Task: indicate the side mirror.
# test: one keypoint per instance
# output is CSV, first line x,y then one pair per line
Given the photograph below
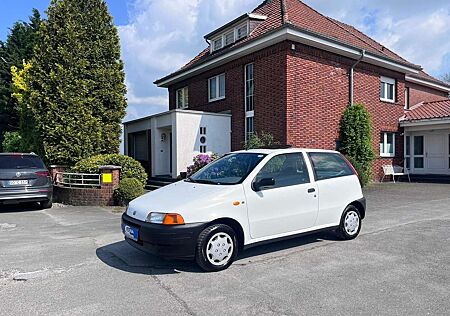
x,y
264,182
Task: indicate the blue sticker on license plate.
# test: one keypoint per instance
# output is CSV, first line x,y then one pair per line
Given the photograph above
x,y
130,232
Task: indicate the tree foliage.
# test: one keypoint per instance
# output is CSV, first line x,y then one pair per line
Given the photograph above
x,y
356,134
77,89
446,78
12,142
17,48
260,141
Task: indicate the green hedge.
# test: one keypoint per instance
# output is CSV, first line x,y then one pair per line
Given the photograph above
x,y
128,190
130,167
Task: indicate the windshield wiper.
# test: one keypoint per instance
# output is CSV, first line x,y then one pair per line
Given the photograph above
x,y
201,181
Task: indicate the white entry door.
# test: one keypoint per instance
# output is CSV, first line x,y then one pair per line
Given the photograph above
x,y
435,153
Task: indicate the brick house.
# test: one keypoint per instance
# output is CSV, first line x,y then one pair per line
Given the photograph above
x,y
286,69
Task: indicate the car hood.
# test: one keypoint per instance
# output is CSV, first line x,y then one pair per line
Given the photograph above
x,y
185,198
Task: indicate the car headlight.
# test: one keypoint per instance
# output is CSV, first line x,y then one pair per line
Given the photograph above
x,y
165,218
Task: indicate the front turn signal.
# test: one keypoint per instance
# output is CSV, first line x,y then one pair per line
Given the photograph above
x,y
173,219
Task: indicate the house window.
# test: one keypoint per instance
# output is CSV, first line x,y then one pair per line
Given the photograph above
x,y
387,90
387,144
217,43
249,101
419,157
241,31
407,105
216,88
407,152
183,98
202,149
448,151
229,38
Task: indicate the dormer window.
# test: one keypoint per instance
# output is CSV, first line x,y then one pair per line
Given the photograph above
x,y
242,31
230,36
217,44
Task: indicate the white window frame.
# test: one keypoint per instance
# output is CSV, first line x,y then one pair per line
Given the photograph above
x,y
222,37
249,113
185,104
217,79
385,137
388,81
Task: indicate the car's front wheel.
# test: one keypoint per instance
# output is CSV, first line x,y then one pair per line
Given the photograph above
x,y
350,225
216,248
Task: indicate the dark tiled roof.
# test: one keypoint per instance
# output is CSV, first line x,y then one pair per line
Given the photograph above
x,y
424,76
428,110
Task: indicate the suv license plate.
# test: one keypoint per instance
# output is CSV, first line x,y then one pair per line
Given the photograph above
x,y
18,182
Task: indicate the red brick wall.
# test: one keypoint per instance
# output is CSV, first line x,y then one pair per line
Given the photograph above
x,y
270,93
318,93
83,196
300,97
419,94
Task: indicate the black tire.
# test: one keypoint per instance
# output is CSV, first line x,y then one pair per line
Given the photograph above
x,y
45,204
342,232
201,255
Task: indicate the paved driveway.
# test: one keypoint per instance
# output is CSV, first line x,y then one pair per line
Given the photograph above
x,y
70,261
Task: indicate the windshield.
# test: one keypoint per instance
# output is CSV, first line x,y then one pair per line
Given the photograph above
x,y
21,162
230,169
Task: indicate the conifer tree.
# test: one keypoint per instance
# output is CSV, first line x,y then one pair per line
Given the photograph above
x,y
77,89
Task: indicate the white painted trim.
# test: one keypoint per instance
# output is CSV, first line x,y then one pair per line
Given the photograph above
x,y
436,121
289,33
217,79
256,16
427,83
388,155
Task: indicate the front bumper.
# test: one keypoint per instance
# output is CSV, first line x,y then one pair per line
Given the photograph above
x,y
178,241
24,195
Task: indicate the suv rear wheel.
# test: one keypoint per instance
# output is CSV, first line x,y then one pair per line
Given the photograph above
x,y
217,248
45,204
350,225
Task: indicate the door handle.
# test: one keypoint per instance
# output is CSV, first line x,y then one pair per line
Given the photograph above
x,y
312,190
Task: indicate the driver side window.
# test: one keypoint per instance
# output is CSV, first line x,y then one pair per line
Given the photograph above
x,y
286,170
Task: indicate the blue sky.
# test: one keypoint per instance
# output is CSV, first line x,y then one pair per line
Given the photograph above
x,y
159,36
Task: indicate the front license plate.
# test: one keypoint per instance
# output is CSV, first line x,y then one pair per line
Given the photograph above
x,y
18,182
130,232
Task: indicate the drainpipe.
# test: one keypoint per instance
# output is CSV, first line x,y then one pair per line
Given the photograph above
x,y
363,53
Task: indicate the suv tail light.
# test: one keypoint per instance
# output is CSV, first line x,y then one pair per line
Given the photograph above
x,y
42,173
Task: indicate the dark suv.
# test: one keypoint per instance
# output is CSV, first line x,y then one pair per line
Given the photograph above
x,y
24,178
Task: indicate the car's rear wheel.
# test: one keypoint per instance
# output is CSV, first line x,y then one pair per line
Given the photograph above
x,y
350,225
217,248
45,204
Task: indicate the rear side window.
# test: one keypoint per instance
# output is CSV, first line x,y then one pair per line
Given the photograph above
x,y
329,165
21,162
286,170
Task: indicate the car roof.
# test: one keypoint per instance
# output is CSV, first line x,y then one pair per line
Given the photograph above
x,y
283,151
18,154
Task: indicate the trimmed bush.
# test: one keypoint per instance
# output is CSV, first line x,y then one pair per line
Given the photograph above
x,y
128,190
356,133
199,162
130,167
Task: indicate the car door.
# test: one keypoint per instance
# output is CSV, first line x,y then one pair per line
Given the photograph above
x,y
288,205
337,186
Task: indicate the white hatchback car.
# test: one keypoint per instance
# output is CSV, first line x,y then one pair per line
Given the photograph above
x,y
246,198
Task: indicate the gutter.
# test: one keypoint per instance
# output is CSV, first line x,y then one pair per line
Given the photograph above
x,y
352,70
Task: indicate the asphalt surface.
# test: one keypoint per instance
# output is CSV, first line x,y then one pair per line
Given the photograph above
x,y
73,261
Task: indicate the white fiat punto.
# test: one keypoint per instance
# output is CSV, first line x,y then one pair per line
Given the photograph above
x,y
246,198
